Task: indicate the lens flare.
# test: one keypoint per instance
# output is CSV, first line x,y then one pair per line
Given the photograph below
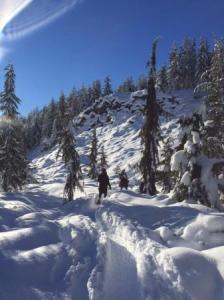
x,y
35,14
21,17
9,9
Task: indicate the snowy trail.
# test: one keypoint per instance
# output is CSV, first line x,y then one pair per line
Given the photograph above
x,y
80,251
119,264
131,268
132,247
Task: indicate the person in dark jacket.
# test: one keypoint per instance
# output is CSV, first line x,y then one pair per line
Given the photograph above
x,y
123,180
104,182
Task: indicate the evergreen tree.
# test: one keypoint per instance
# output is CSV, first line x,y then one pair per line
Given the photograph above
x,y
162,80
203,59
150,131
117,170
128,86
166,175
188,165
61,119
72,162
142,82
206,186
173,72
32,130
73,104
107,86
49,131
52,112
62,109
187,63
13,164
93,156
8,100
214,127
90,97
103,159
84,97
96,88
45,130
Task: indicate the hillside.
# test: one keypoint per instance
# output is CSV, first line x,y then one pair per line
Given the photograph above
x,y
132,246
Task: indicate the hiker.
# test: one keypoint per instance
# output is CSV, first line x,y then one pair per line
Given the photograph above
x,y
123,180
142,189
104,182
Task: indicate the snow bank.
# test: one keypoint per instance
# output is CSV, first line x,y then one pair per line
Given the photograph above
x,y
160,273
142,246
206,231
197,274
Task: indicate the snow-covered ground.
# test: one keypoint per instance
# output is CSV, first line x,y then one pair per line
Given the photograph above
x,y
131,247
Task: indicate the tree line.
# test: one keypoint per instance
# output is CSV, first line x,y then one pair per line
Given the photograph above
x,y
183,172
194,169
184,69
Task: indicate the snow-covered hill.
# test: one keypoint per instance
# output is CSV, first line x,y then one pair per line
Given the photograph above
x,y
119,119
131,247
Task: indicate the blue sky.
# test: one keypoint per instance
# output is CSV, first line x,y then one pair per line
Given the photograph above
x,y
104,37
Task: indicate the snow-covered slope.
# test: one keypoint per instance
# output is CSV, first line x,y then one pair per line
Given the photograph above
x,y
132,247
119,119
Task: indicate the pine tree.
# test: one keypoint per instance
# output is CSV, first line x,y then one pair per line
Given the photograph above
x,y
188,165
45,123
166,175
8,100
203,59
128,86
142,82
214,128
62,110
13,163
162,80
150,131
107,90
90,99
72,162
187,64
210,185
83,97
52,111
93,156
103,159
49,131
61,120
14,166
73,104
117,170
32,130
173,72
96,88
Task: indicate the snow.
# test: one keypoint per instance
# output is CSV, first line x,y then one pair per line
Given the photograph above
x,y
186,178
131,247
195,137
209,180
179,160
189,147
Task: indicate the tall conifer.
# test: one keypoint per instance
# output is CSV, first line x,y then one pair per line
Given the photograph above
x,y
150,131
